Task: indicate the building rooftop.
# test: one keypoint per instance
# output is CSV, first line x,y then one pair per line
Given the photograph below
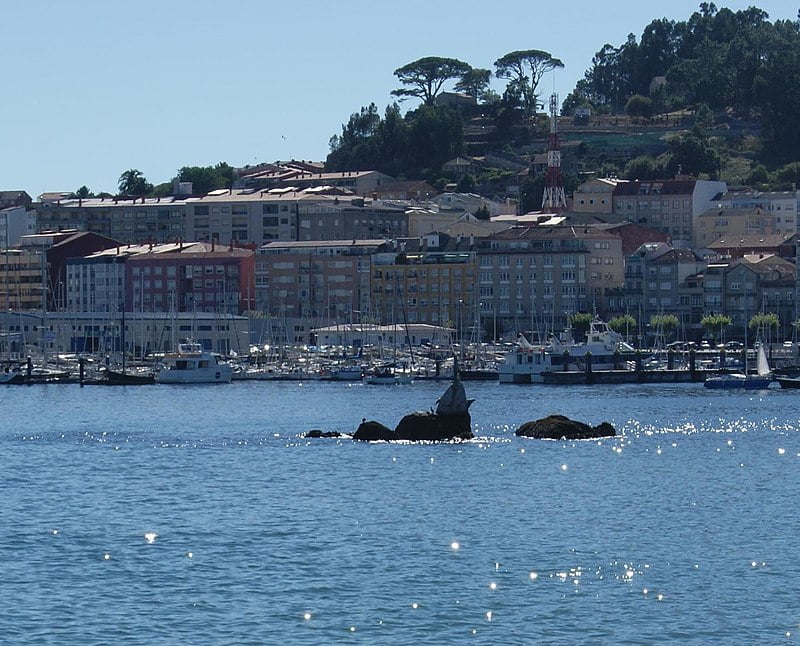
x,y
751,241
664,187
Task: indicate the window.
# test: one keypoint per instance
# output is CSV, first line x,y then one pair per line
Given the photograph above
x,y
269,208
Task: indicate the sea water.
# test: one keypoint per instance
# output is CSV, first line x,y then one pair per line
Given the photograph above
x,y
201,515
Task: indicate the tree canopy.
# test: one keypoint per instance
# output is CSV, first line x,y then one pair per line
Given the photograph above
x,y
413,146
525,69
735,61
132,183
205,179
424,77
474,81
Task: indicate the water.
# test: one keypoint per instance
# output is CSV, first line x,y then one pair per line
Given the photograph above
x,y
200,515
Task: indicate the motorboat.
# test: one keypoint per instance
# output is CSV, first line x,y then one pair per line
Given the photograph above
x,y
192,364
528,363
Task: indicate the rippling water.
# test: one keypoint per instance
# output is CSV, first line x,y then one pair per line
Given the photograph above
x,y
200,515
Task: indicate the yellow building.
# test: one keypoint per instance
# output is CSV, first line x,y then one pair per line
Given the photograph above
x,y
420,285
22,281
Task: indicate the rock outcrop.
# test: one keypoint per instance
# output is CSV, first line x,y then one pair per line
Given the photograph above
x,y
427,426
374,432
316,433
558,427
450,421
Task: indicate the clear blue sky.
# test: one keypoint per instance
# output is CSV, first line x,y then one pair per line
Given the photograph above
x,y
94,87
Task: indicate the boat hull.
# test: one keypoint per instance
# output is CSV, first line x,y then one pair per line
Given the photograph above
x,y
746,383
218,375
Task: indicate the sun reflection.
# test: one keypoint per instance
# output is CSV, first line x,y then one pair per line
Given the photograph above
x,y
150,537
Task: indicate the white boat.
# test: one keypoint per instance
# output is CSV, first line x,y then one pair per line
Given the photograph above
x,y
191,364
528,363
758,381
11,375
256,373
345,373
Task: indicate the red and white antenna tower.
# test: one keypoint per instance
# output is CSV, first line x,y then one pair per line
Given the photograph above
x,y
554,199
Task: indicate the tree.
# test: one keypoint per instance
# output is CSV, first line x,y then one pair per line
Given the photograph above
x,y
132,183
758,176
435,135
643,167
714,325
625,324
466,184
425,77
693,154
474,82
525,70
639,106
205,179
580,322
482,212
530,194
788,177
764,324
83,192
666,323
355,148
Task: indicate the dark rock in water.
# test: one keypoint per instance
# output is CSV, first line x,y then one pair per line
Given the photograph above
x,y
433,427
373,432
316,433
558,427
450,421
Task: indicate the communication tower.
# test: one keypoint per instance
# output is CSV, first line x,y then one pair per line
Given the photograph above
x,y
554,199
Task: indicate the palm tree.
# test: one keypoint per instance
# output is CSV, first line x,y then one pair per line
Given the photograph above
x,y
133,183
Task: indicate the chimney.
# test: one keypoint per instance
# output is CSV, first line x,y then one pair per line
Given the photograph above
x,y
212,245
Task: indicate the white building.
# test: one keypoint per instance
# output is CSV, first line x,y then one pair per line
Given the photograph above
x,y
782,204
15,222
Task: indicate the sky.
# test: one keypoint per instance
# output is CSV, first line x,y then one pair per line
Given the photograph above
x,y
96,87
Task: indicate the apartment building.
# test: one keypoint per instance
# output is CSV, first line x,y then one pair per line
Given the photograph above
x,y
15,222
595,195
129,220
658,280
734,222
429,280
199,277
23,273
743,287
304,284
671,206
289,214
303,176
535,278
782,204
783,245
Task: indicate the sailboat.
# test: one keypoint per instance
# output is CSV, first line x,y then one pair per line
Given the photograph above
x,y
758,381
